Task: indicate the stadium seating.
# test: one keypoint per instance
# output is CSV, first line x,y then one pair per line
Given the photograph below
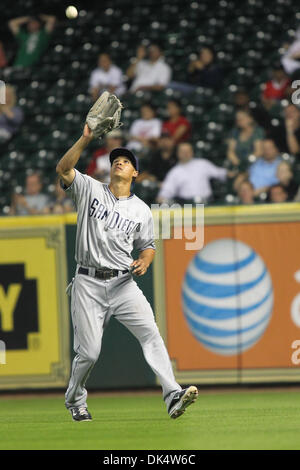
x,y
246,36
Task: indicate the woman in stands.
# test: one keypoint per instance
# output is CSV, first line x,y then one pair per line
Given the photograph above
x,y
244,143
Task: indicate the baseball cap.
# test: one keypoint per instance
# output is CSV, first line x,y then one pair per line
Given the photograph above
x,y
123,152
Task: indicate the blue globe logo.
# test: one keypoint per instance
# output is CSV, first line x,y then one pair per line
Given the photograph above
x,y
227,297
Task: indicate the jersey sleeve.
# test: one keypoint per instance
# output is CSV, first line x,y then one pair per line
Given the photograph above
x,y
144,235
78,188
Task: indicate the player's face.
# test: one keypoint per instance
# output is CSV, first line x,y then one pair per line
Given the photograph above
x,y
123,169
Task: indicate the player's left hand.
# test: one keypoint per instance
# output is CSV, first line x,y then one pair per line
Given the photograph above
x,y
139,267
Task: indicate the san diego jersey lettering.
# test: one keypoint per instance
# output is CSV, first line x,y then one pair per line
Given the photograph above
x,y
108,228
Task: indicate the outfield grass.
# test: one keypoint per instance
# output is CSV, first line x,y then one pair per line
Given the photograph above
x,y
237,420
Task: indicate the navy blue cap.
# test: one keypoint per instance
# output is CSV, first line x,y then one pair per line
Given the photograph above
x,y
123,152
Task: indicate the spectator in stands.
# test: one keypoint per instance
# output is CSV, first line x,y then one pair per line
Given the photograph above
x,y
277,193
291,58
204,71
292,129
277,88
189,179
3,60
260,115
161,160
244,140
106,76
11,115
145,131
99,167
286,179
245,191
287,134
263,173
177,125
60,203
33,42
149,70
33,202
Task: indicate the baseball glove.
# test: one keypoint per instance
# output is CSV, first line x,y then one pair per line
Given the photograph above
x,y
104,115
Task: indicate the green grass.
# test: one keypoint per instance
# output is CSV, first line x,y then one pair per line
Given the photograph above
x,y
237,420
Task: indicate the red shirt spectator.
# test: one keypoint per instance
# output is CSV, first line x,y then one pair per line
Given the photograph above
x,y
276,91
177,125
91,169
277,88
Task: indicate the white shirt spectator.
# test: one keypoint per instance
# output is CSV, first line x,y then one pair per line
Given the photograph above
x,y
103,165
191,180
145,129
151,73
101,78
38,202
289,64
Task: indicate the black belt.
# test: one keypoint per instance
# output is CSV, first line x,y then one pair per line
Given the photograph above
x,y
104,273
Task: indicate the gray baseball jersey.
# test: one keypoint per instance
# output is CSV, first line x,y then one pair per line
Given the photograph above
x,y
108,228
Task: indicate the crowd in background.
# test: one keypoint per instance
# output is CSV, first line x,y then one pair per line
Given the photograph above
x,y
258,158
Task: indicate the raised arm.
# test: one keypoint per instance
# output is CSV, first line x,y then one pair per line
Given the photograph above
x,y
231,155
141,53
65,166
14,24
292,142
49,22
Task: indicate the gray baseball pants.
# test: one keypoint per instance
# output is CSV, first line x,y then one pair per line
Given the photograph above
x,y
93,302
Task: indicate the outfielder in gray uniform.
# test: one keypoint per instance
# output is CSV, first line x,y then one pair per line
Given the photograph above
x,y
111,222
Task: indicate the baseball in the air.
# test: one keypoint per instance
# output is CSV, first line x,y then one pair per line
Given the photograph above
x,y
71,12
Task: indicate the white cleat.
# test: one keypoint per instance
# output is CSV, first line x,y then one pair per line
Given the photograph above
x,y
182,400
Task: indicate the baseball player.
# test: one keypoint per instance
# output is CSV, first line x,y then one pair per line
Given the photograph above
x,y
111,222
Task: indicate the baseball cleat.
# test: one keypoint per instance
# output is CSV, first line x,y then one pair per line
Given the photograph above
x,y
80,413
182,400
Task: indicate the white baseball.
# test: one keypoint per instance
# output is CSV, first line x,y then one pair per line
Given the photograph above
x,y
71,12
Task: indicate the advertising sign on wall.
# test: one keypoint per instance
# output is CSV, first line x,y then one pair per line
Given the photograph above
x,y
230,312
34,325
